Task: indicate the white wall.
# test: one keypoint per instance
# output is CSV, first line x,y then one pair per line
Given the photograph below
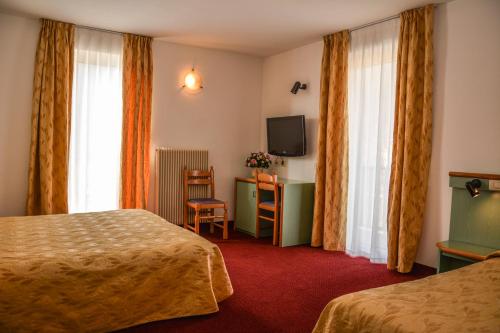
x,y
18,37
466,131
279,74
223,117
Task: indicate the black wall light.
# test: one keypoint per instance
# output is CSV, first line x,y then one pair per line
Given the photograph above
x,y
473,187
296,86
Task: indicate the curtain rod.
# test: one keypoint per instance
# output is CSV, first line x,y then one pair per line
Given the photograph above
x,y
393,17
375,22
99,29
109,31
106,30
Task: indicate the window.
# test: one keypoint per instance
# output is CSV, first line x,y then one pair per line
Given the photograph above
x,y
96,122
371,98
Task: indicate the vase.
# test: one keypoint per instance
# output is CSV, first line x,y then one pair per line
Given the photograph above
x,y
254,171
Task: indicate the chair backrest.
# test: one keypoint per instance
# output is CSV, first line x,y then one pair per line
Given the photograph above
x,y
266,182
198,177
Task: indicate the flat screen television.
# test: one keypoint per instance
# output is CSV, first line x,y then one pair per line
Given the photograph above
x,y
286,136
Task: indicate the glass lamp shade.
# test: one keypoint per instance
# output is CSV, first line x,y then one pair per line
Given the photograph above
x,y
192,80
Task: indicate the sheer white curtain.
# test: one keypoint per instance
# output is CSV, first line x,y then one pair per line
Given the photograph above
x,y
371,94
96,122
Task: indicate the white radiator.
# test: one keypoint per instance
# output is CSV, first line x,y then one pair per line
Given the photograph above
x,y
169,164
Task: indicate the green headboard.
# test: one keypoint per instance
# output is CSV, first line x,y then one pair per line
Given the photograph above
x,y
475,220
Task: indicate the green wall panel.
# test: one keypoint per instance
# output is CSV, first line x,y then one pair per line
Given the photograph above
x,y
475,220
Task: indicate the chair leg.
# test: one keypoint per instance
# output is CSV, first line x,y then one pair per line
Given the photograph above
x,y
225,231
185,217
275,229
197,221
212,220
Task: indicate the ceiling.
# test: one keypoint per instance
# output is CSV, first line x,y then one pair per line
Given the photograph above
x,y
256,27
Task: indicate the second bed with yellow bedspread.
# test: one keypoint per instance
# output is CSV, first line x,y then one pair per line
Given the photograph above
x,y
104,271
463,300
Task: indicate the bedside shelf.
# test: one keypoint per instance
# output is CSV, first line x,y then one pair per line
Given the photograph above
x,y
454,254
471,251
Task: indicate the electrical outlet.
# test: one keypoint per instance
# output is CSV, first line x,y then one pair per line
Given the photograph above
x,y
494,185
279,161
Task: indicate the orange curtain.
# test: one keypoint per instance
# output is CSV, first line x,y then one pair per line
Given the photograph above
x,y
330,205
50,123
137,94
412,138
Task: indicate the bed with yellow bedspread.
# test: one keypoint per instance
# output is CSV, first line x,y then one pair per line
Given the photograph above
x,y
463,300
98,272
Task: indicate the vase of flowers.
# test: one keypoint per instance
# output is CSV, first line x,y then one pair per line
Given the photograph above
x,y
259,161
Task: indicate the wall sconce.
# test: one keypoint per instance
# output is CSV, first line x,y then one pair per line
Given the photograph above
x,y
473,187
296,86
192,80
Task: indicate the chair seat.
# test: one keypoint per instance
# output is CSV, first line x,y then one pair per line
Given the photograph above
x,y
205,201
267,205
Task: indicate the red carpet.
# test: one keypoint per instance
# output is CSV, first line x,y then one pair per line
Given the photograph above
x,y
281,289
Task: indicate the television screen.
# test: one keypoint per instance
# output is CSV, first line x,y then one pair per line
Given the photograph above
x,y
286,136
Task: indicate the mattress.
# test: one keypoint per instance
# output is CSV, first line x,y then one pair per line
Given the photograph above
x,y
463,300
98,272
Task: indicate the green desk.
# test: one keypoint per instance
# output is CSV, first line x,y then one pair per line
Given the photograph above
x,y
296,213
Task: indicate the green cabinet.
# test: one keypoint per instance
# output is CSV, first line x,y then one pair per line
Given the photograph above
x,y
297,200
298,208
246,210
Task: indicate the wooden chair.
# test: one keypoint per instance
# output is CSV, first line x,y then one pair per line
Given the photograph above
x,y
265,182
201,205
